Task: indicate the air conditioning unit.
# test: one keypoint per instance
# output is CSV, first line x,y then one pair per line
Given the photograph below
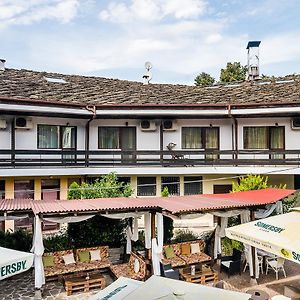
x,y
23,123
295,123
170,125
148,125
3,124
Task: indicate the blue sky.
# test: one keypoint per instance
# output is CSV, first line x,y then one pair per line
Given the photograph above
x,y
180,37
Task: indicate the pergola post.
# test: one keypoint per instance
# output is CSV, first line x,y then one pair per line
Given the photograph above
x,y
153,232
252,218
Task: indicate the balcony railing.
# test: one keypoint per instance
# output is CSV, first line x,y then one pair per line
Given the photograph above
x,y
118,158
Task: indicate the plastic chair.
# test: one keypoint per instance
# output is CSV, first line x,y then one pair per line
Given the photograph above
x,y
276,265
260,264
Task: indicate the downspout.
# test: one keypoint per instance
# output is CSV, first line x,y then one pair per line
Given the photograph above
x,y
87,132
234,136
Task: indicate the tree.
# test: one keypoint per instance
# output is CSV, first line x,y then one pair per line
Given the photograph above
x,y
233,72
98,230
251,182
204,79
168,222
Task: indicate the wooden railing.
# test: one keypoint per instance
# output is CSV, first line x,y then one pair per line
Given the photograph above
x,y
114,158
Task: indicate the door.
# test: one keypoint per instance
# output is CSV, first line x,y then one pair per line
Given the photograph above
x,y
128,143
68,143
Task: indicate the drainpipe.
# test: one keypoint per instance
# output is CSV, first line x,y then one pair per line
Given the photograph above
x,y
234,136
13,142
87,133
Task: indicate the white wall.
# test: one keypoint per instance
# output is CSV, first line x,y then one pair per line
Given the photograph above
x,y
27,138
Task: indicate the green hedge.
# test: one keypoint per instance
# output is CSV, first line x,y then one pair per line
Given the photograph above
x,y
18,240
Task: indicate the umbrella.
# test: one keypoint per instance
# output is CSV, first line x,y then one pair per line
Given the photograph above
x,y
118,289
156,288
13,262
279,234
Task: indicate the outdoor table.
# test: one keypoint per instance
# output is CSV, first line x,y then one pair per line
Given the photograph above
x,y
258,294
202,275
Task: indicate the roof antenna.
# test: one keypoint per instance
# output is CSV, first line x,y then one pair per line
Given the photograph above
x,y
2,64
253,60
148,75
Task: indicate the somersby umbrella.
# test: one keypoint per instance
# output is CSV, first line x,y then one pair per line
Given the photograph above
x,y
279,234
157,287
13,262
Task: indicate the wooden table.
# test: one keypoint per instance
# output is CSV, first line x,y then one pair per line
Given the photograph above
x,y
82,283
202,275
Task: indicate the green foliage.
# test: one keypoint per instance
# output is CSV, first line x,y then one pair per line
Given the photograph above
x,y
165,192
18,240
204,79
228,245
98,230
74,191
108,186
250,182
58,242
184,235
233,72
168,229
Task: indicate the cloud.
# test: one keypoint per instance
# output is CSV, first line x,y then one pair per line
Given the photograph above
x,y
25,12
152,10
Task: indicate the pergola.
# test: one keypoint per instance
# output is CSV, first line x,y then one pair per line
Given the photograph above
x,y
174,206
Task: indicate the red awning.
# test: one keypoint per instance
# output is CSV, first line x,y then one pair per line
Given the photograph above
x,y
173,204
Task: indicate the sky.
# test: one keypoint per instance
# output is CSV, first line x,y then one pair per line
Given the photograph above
x,y
181,38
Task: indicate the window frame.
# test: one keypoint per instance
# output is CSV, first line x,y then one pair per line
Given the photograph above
x,y
268,137
203,133
60,136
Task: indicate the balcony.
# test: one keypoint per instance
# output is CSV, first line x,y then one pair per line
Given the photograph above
x,y
117,158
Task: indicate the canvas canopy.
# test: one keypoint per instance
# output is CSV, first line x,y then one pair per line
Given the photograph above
x,y
119,289
13,262
157,287
279,234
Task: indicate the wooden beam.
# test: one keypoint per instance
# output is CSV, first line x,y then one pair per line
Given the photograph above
x,y
252,218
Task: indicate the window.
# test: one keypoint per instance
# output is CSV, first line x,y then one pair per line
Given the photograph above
x,y
56,137
146,186
2,189
264,137
200,137
24,189
172,183
192,185
50,189
109,138
222,188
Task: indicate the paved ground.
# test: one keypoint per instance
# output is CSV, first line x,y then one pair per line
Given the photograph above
x,y
21,287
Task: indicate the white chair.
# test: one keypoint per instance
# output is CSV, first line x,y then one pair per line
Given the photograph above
x,y
260,264
276,265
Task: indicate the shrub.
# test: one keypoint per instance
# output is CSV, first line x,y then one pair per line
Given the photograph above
x,y
184,235
97,231
18,240
58,242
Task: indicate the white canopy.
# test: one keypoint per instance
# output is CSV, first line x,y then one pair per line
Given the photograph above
x,y
119,289
157,287
13,262
279,234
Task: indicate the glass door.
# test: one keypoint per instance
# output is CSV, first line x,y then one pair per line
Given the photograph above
x,y
276,136
128,143
68,143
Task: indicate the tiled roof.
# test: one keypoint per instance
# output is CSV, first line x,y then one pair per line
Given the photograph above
x,y
173,204
83,90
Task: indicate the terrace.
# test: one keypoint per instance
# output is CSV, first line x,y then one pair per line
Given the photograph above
x,y
118,158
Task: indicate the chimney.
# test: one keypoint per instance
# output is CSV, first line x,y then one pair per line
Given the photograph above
x,y
253,60
2,64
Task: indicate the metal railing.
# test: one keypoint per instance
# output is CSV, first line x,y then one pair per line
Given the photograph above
x,y
114,158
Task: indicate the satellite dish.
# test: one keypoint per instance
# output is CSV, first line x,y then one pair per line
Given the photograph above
x,y
148,65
